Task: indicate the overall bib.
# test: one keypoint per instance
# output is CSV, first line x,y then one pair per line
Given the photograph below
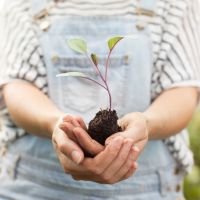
x,y
30,169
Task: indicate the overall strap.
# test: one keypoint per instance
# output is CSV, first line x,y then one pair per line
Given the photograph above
x,y
37,6
147,7
40,10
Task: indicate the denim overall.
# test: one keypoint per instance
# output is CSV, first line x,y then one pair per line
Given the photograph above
x,y
30,169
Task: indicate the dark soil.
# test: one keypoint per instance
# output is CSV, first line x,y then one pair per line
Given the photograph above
x,y
103,125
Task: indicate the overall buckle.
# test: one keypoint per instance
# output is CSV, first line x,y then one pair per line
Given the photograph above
x,y
142,11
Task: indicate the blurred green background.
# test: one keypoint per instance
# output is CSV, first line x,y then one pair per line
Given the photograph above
x,y
192,181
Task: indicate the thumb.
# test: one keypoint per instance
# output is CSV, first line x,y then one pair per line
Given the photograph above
x,y
131,132
109,139
87,143
68,147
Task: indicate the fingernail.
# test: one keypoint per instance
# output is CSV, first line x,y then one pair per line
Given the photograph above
x,y
136,165
62,127
76,157
107,142
118,139
135,148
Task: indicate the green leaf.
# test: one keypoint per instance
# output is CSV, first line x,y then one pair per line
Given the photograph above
x,y
94,59
78,45
76,74
113,41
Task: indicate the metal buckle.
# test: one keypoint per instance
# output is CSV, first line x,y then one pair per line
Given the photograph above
x,y
141,25
3,150
44,24
42,14
142,11
42,19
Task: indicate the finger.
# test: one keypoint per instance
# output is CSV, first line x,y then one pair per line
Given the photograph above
x,y
68,129
140,146
119,161
132,133
99,163
122,123
68,147
108,140
124,169
67,118
77,121
81,122
136,152
136,147
131,171
86,142
136,131
72,168
72,120
118,176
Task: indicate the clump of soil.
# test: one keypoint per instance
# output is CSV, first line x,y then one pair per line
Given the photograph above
x,y
103,125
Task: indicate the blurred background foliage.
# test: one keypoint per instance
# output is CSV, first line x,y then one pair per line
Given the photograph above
x,y
192,181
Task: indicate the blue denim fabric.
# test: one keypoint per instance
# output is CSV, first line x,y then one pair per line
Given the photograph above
x,y
31,169
129,72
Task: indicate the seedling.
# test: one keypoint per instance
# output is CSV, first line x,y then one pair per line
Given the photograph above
x,y
105,122
80,46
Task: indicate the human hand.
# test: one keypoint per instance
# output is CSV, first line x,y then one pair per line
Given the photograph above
x,y
89,146
134,126
63,135
113,164
65,144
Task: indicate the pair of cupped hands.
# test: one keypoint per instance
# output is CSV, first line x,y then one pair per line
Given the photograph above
x,y
114,162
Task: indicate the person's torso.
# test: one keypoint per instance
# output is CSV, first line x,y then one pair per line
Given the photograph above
x,y
129,78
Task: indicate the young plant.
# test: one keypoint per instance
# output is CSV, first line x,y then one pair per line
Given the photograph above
x,y
104,123
80,46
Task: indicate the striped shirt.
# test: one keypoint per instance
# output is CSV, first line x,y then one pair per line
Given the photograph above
x,y
174,33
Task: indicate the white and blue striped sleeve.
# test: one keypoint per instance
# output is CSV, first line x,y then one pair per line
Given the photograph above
x,y
21,53
178,61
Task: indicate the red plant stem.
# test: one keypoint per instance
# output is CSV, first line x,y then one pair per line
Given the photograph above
x,y
106,74
109,94
108,58
106,77
107,62
94,82
102,78
106,88
96,68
